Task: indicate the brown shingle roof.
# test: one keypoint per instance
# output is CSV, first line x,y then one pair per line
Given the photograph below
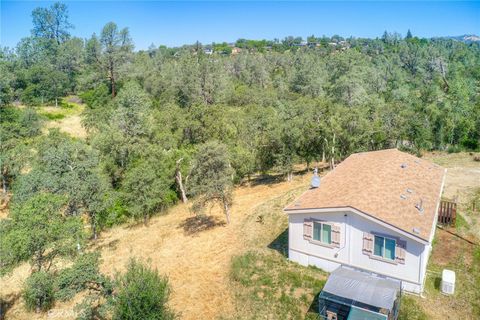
x,y
386,184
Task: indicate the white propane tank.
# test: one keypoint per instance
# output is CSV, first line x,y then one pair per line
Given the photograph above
x,y
448,281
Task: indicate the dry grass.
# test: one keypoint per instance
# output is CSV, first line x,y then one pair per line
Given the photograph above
x,y
67,119
71,125
463,178
463,173
197,264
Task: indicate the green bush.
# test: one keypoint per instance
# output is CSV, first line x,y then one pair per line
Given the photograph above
x,y
38,291
84,272
142,294
65,105
454,149
53,115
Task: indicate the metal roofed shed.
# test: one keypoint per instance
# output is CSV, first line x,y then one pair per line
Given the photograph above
x,y
356,295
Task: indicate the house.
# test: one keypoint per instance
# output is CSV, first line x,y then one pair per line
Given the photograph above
x,y
376,212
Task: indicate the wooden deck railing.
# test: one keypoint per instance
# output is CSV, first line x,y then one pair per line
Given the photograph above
x,y
447,213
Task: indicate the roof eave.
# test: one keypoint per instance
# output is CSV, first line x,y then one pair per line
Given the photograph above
x,y
361,213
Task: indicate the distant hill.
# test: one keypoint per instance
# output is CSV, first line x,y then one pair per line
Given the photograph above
x,y
467,38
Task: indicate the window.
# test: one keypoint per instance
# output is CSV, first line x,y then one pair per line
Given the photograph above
x,y
384,247
322,232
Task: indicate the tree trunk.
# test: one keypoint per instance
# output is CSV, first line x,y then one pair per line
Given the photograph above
x,y
226,209
113,86
94,227
4,184
112,79
178,180
333,153
38,306
145,220
289,176
56,102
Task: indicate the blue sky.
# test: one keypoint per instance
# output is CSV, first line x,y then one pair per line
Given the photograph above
x,y
177,23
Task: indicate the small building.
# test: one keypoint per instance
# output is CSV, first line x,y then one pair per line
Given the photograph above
x,y
355,295
375,212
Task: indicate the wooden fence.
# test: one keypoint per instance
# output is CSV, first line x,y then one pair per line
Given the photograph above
x,y
447,213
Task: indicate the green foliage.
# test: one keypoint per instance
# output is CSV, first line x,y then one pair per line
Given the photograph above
x,y
211,177
147,185
83,274
51,23
70,168
109,52
142,294
38,291
39,231
54,116
17,128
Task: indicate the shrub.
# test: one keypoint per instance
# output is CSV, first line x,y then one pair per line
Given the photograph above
x,y
53,115
142,294
38,291
78,277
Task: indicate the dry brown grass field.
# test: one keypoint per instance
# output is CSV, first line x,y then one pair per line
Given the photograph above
x,y
197,255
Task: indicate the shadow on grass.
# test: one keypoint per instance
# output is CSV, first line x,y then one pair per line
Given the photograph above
x,y
6,303
266,179
437,282
280,243
112,245
313,309
196,224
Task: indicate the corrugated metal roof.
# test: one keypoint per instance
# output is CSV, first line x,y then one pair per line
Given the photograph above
x,y
363,287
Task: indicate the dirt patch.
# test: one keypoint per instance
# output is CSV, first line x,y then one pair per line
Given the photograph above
x,y
448,246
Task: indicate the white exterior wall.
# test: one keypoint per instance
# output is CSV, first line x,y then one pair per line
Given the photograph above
x,y
412,273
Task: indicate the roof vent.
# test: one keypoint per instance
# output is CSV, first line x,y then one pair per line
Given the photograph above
x,y
419,206
315,179
409,190
416,230
403,197
403,165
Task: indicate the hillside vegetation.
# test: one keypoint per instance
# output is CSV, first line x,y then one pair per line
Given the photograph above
x,y
98,139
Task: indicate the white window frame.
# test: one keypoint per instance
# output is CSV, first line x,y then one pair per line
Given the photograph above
x,y
384,246
321,233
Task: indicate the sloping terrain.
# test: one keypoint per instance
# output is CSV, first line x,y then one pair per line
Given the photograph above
x,y
196,254
196,262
